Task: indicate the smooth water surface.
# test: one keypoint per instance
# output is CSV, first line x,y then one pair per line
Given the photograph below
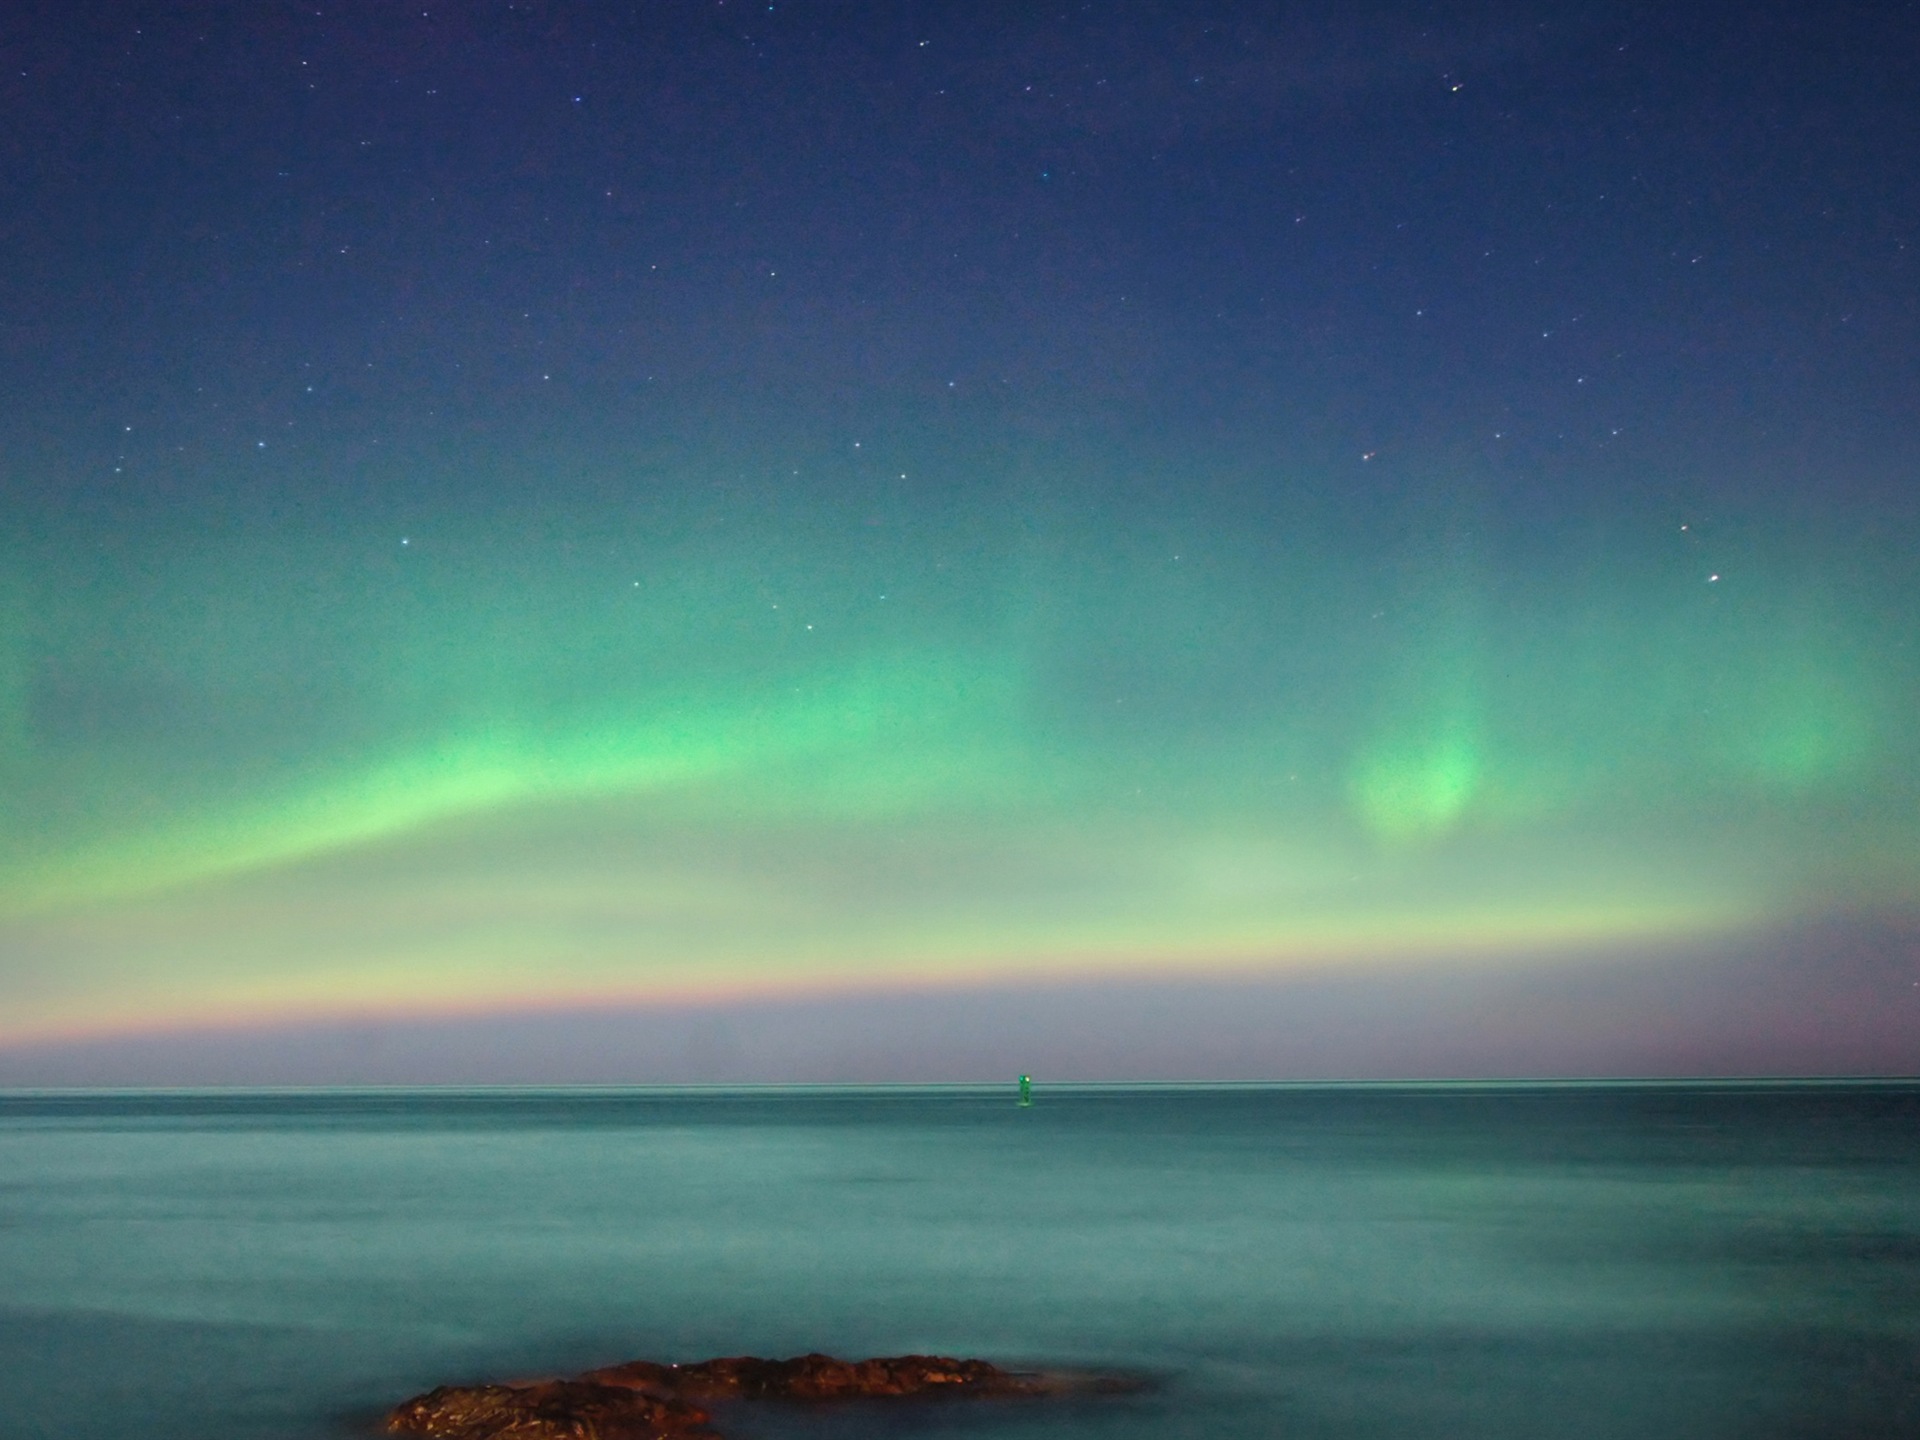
x,y
1617,1261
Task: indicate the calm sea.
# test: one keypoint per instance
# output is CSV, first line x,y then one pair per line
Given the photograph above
x,y
1581,1261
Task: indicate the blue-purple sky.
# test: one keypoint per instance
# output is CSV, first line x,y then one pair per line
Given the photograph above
x,y
848,541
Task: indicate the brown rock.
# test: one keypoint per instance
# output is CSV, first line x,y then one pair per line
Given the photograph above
x,y
642,1400
818,1377
549,1410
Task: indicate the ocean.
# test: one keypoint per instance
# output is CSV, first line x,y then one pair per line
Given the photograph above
x,y
1631,1261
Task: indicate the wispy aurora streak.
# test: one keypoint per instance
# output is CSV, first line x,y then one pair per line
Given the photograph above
x,y
257,768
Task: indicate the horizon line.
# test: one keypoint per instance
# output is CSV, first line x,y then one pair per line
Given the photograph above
x,y
977,1087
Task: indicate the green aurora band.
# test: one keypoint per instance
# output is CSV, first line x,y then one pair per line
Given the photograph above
x,y
650,736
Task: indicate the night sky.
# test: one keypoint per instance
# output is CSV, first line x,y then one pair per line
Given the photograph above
x,y
529,530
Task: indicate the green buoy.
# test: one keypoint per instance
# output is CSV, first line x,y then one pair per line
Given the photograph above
x,y
1026,1090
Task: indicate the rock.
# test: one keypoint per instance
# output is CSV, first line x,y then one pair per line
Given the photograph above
x,y
819,1377
549,1410
642,1400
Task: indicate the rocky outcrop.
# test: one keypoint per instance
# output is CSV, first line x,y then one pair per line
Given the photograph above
x,y
818,1377
642,1400
549,1410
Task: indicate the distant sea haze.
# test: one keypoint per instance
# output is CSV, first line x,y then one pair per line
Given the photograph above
x,y
1834,998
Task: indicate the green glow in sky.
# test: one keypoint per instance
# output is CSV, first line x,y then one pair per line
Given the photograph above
x,y
257,768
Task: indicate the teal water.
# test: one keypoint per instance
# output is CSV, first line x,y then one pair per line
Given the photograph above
x,y
1625,1261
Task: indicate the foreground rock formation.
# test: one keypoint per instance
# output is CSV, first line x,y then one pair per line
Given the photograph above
x,y
561,1409
645,1401
818,1377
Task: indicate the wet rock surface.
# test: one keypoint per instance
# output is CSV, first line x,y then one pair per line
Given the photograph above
x,y
642,1400
819,1377
549,1410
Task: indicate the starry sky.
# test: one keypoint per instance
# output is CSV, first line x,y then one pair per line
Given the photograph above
x,y
1332,539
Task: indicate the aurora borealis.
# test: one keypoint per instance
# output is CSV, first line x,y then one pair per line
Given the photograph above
x,y
563,509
